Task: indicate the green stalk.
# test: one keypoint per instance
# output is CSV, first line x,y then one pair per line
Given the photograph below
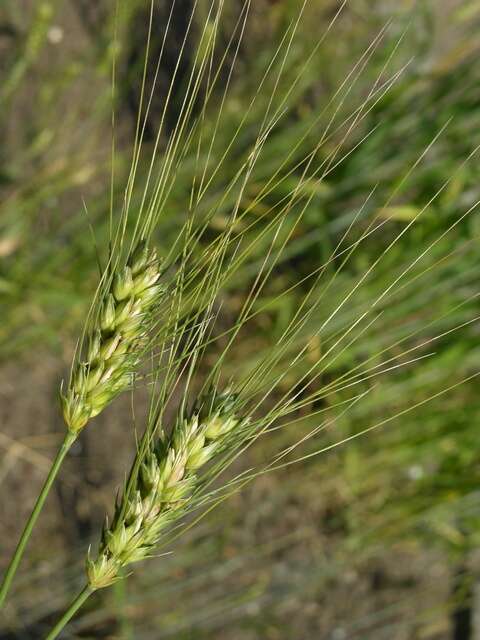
x,y
84,594
22,543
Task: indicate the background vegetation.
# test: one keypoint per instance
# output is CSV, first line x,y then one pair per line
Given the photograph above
x,y
373,539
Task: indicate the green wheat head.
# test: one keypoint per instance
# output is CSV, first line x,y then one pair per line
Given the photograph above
x,y
115,339
167,478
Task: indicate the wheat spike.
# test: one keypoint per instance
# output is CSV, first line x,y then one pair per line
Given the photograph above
x,y
164,484
113,342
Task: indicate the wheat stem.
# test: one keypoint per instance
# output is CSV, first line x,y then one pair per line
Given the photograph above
x,y
22,543
84,594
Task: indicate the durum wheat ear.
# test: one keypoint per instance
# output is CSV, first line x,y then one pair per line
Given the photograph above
x,y
113,342
163,487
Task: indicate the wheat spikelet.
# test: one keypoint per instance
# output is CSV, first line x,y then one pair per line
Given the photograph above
x,y
163,486
114,340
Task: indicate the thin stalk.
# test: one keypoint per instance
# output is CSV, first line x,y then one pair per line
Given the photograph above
x,y
84,594
22,543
